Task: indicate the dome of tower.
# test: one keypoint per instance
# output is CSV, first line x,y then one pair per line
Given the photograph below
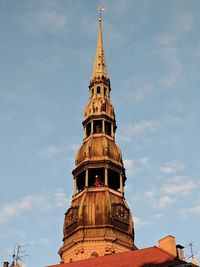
x,y
99,147
99,105
102,214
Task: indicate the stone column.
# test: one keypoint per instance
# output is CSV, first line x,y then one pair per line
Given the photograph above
x,y
112,130
86,178
121,185
85,132
75,186
106,176
103,126
92,127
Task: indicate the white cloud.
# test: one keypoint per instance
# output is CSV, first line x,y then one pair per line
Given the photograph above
x,y
139,221
174,74
164,194
149,194
60,198
192,211
44,241
145,162
137,165
170,53
173,167
47,18
74,147
49,151
10,210
136,90
164,201
178,188
42,203
128,164
143,91
141,128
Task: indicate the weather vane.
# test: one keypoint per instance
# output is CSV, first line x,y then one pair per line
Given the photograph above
x,y
100,10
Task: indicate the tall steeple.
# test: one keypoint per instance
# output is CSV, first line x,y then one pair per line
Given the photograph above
x,y
99,221
99,68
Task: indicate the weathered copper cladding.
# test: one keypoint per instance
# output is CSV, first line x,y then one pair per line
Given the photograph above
x,y
99,221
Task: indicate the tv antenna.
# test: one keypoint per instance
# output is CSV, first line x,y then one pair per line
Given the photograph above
x,y
19,254
193,251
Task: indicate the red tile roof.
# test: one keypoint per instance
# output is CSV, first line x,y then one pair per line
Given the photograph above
x,y
152,256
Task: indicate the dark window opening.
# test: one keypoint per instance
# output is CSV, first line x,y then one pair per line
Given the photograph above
x,y
96,177
113,180
92,91
105,91
80,181
97,126
88,129
108,128
98,89
103,107
94,255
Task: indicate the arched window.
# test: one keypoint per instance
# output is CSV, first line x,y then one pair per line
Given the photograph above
x,y
96,177
97,126
108,128
80,181
88,129
94,255
98,89
113,180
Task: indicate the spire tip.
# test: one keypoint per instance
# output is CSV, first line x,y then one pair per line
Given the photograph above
x,y
100,10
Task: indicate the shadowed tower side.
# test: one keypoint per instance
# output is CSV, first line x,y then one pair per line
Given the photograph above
x,y
99,221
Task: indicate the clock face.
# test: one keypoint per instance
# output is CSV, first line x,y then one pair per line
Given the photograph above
x,y
121,213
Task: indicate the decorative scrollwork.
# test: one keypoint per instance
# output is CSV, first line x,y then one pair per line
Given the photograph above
x,y
71,215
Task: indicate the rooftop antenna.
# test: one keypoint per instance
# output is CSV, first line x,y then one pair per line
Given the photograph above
x,y
18,254
100,10
193,252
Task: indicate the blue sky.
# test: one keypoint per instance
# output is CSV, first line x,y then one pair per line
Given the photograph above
x,y
152,52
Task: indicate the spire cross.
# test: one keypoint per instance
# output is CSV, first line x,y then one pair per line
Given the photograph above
x,y
100,10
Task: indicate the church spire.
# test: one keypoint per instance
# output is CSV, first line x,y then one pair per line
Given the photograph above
x,y
98,222
99,69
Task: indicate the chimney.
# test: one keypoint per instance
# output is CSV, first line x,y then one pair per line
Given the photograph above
x,y
5,264
180,252
168,244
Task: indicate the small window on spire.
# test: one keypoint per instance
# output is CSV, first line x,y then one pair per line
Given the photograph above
x,y
98,90
97,126
105,91
88,129
108,128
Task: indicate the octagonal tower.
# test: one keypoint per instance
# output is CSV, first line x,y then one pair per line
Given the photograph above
x,y
99,221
